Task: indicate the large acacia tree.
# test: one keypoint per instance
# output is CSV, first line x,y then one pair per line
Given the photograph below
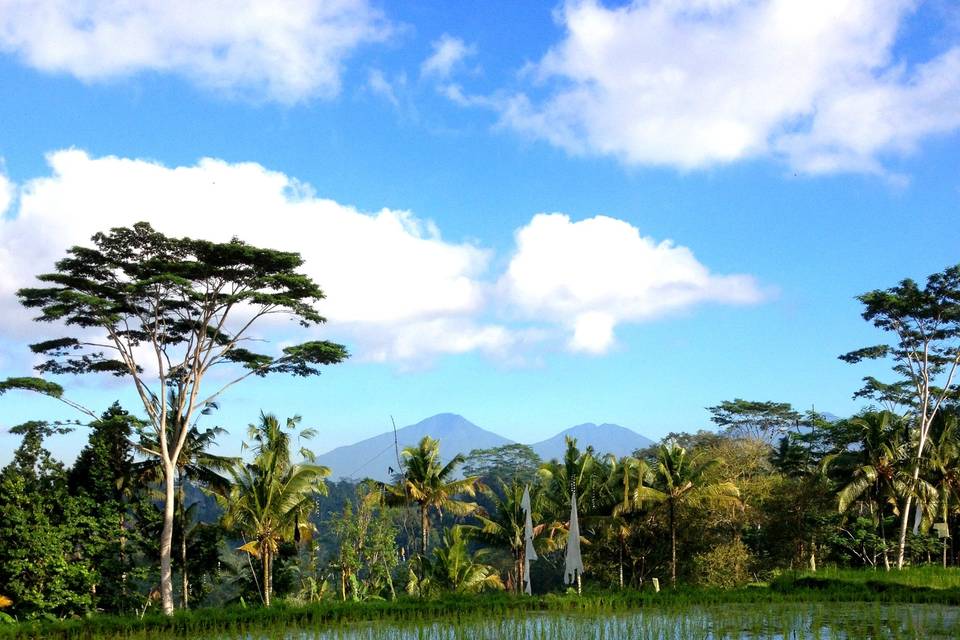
x,y
162,312
925,325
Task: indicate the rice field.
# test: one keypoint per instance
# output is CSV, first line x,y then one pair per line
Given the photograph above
x,y
773,622
819,621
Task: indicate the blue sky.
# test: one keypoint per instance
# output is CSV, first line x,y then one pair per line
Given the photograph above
x,y
794,154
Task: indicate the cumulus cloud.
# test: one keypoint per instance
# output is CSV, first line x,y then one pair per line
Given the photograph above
x,y
448,52
397,291
385,274
596,273
286,50
693,83
6,193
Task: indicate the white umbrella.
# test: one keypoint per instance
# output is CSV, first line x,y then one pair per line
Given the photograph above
x,y
529,553
574,562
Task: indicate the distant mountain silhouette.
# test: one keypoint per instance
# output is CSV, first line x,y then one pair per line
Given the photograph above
x,y
376,456
604,438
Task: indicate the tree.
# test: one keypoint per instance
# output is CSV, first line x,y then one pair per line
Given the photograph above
x,y
509,463
430,484
104,481
168,310
366,552
877,470
195,465
925,323
767,421
454,568
679,481
626,476
41,526
271,498
503,527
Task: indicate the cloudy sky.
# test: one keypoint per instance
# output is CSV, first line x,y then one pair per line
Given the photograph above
x,y
533,214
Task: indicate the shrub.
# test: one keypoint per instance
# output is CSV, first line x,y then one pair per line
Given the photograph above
x,y
726,566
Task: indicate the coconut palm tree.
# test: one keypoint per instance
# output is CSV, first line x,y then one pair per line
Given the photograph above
x,y
877,474
680,480
454,568
429,484
271,498
626,475
943,466
503,527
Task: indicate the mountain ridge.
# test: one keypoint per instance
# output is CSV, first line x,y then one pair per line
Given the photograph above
x,y
376,457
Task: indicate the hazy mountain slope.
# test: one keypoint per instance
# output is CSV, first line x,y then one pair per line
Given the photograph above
x,y
374,457
604,438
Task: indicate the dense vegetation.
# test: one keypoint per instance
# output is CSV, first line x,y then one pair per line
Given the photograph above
x,y
771,490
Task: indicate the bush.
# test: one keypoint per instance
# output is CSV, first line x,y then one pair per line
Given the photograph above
x,y
726,566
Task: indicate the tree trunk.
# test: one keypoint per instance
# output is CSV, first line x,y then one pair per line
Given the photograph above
x,y
904,523
181,498
521,578
673,547
267,577
621,565
424,528
166,538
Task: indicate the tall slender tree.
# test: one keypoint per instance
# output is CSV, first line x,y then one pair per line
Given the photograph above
x,y
925,323
162,312
197,466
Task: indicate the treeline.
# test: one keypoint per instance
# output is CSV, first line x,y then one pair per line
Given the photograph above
x,y
773,490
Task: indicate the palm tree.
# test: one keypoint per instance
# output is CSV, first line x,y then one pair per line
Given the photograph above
x,y
878,472
943,465
626,475
454,568
429,484
680,481
271,498
504,526
578,472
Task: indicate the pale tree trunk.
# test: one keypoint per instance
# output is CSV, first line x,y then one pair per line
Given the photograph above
x,y
520,574
905,516
166,538
267,578
424,528
621,564
183,544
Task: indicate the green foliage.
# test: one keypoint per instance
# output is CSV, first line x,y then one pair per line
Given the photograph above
x,y
42,528
508,463
766,421
453,567
725,566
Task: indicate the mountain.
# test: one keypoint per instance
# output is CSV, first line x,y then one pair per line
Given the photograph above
x,y
374,457
604,438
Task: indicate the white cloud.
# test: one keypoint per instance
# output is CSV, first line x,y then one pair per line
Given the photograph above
x,y
695,83
384,273
380,86
285,50
594,274
6,193
396,290
448,52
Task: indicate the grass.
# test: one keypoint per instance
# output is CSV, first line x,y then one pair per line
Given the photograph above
x,y
797,594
